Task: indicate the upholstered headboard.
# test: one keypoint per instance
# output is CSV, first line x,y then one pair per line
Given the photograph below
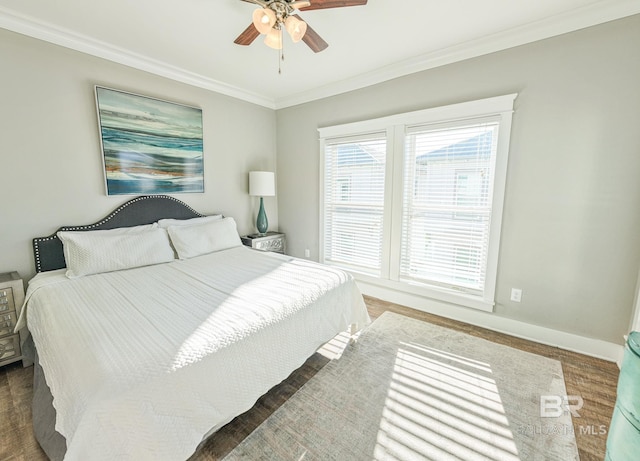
x,y
147,209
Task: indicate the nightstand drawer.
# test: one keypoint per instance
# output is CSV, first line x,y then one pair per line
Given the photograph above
x,y
271,241
276,245
7,323
9,348
11,298
6,300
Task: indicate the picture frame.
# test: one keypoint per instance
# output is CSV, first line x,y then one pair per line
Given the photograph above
x,y
149,146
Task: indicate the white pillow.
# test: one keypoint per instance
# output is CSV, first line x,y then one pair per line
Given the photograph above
x,y
121,230
93,252
191,241
165,223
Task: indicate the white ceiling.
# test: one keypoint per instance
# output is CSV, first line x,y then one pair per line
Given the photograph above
x,y
192,40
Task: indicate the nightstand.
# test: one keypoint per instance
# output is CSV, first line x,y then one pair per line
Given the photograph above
x,y
271,241
11,299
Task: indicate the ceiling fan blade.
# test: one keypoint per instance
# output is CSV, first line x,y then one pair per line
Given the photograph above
x,y
323,4
312,39
248,36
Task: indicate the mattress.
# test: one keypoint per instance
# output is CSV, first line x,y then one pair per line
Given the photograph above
x,y
143,363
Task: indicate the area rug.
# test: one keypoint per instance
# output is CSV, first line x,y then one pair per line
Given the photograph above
x,y
408,390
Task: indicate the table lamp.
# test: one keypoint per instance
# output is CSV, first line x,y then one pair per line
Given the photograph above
x,y
262,184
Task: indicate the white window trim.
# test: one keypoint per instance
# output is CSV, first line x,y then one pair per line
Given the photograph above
x,y
395,126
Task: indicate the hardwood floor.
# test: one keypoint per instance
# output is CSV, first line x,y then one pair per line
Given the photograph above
x,y
593,379
16,435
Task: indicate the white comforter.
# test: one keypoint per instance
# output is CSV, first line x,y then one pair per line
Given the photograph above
x,y
143,363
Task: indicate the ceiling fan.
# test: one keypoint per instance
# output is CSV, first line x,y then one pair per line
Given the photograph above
x,y
274,16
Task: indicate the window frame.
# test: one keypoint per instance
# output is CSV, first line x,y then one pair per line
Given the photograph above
x,y
395,127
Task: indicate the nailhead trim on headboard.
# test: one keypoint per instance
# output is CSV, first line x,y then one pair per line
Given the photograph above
x,y
39,240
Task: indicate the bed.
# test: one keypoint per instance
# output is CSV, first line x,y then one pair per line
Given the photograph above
x,y
143,361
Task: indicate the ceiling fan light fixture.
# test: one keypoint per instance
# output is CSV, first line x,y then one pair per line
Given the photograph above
x,y
274,39
299,4
296,28
264,19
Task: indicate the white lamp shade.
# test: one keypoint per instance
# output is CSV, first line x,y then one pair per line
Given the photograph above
x,y
274,39
296,28
264,19
262,183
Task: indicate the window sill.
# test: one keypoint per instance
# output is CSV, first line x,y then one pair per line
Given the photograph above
x,y
438,294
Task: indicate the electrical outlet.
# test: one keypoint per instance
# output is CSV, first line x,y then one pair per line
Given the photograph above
x,y
516,295
307,253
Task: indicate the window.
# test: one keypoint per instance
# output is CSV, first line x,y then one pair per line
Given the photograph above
x,y
344,189
447,178
414,201
354,202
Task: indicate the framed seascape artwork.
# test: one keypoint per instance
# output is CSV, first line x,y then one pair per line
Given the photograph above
x,y
149,146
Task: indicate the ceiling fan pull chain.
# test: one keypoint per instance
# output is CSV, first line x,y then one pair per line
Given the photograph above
x,y
281,57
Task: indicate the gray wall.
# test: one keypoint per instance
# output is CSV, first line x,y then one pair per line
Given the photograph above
x,y
570,235
51,170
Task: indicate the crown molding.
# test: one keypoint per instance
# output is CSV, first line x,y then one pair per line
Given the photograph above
x,y
47,32
590,15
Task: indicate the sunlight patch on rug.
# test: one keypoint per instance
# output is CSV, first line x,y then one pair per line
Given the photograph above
x,y
435,409
335,347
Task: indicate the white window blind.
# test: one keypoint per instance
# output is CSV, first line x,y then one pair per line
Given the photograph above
x,y
447,198
354,179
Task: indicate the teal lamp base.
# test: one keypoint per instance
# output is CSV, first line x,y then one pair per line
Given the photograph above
x,y
262,223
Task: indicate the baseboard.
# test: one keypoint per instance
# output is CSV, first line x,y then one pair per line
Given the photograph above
x,y
568,341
